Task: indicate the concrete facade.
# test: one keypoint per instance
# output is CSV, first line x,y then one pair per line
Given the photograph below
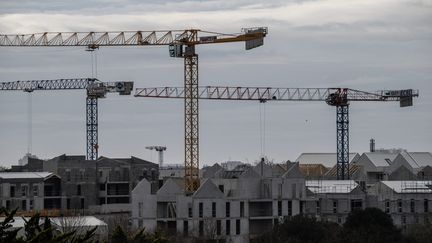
x,y
29,191
229,205
101,186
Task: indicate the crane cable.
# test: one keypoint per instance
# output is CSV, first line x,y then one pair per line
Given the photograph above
x,y
262,111
29,123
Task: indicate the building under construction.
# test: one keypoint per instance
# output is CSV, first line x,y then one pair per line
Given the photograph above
x,y
238,205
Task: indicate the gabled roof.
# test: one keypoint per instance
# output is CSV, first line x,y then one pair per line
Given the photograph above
x,y
418,159
331,186
326,159
409,186
313,170
172,186
208,190
278,170
143,185
263,169
104,161
211,171
381,159
293,172
353,168
25,175
249,173
135,160
228,174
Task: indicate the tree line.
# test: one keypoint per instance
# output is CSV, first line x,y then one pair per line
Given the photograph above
x,y
370,225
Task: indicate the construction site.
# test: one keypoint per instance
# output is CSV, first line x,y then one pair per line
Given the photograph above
x,y
231,200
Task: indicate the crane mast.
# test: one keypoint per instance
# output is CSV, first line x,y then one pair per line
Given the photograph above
x,y
95,90
181,45
338,97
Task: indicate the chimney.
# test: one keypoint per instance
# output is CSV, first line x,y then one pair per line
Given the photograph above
x,y
372,145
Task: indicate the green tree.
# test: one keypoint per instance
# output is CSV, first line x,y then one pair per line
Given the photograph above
x,y
302,229
421,233
119,236
370,226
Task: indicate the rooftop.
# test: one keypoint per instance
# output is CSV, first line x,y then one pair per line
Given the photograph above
x,y
326,159
25,175
409,186
331,186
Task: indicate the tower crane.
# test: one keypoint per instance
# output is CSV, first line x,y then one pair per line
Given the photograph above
x,y
95,90
160,150
181,44
337,97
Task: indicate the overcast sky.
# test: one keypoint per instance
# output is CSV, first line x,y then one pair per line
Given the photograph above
x,y
368,45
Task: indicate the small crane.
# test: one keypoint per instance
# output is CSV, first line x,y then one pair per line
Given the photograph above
x,y
160,150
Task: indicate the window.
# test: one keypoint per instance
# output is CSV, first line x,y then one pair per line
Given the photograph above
x,y
82,174
24,205
279,206
102,201
68,175
185,227
190,211
426,206
318,206
289,208
403,219
35,190
356,204
227,209
335,206
79,190
221,188
280,190
153,175
102,187
293,190
12,191
24,189
200,209
82,203
302,207
213,209
412,206
7,204
237,226
241,209
399,203
218,227
387,206
228,227
140,209
201,228
31,204
68,206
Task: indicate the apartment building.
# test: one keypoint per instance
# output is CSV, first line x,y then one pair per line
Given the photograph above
x,y
98,186
231,205
27,191
408,202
